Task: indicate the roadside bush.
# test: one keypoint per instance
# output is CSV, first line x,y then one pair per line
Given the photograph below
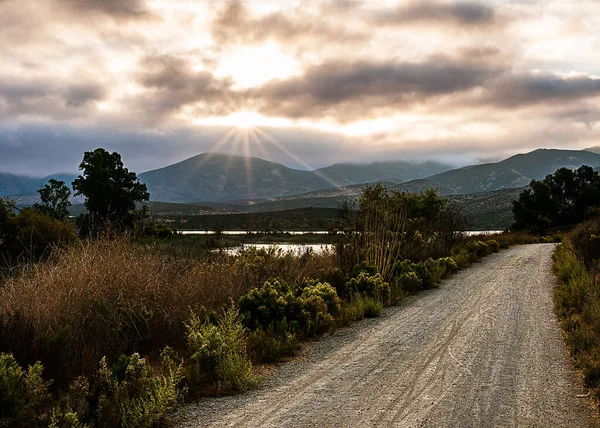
x,y
409,282
320,304
274,302
218,353
336,278
448,265
352,310
23,394
577,299
429,272
369,286
493,245
272,344
463,257
139,399
372,307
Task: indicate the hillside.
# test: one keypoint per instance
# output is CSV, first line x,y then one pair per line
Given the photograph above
x,y
217,178
516,171
393,171
24,188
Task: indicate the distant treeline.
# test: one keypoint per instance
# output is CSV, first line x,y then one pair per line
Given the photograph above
x,y
297,219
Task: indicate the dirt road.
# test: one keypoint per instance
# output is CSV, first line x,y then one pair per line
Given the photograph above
x,y
483,350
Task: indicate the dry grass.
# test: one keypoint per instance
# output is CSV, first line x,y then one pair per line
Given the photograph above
x,y
112,297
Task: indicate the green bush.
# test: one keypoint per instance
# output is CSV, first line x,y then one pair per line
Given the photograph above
x,y
218,353
23,394
369,286
448,265
337,279
272,344
409,282
272,303
319,305
352,310
429,272
309,309
463,257
493,245
372,307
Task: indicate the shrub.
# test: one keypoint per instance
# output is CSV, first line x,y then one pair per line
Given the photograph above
x,y
272,344
429,272
352,310
493,245
372,307
23,394
140,399
319,304
269,304
463,257
218,353
448,265
337,279
369,286
409,282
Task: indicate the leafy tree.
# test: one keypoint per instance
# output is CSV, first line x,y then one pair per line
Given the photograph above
x,y
561,199
29,235
110,189
55,199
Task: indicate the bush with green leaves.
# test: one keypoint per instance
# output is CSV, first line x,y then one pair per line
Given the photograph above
x,y
448,265
24,396
271,303
273,343
309,309
372,307
137,397
463,257
319,305
368,285
409,282
219,357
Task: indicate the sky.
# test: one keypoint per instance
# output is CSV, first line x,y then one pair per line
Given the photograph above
x,y
304,83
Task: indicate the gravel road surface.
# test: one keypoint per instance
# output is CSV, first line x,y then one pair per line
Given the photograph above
x,y
483,350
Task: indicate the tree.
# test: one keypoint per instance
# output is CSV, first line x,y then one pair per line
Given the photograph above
x,y
561,199
110,189
55,199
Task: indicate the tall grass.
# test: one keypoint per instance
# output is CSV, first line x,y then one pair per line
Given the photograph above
x,y
106,298
577,299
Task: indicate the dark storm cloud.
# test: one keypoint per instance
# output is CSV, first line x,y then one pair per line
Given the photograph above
x,y
46,97
120,9
460,13
235,24
171,83
529,89
352,88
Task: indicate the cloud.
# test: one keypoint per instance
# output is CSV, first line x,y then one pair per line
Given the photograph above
x,y
47,98
170,83
460,13
350,90
119,9
529,89
235,23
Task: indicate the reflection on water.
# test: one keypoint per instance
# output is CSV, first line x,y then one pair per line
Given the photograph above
x,y
303,232
297,249
244,232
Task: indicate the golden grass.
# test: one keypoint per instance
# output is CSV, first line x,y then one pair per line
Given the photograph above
x,y
109,297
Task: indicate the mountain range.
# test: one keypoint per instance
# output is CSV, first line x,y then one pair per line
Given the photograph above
x,y
245,182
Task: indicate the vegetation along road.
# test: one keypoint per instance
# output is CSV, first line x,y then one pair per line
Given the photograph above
x,y
483,350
